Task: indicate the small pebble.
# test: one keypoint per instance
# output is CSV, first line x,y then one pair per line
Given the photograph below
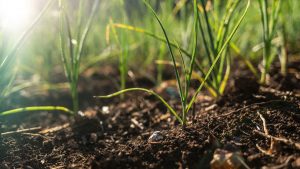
x,y
93,137
81,114
105,110
156,137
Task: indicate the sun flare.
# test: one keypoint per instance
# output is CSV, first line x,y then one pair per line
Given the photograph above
x,y
15,14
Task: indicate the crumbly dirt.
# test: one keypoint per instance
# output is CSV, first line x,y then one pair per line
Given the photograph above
x,y
259,124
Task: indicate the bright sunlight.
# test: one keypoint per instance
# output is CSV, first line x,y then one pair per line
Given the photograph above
x,y
15,14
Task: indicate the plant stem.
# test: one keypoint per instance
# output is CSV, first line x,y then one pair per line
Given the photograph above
x,y
75,97
36,108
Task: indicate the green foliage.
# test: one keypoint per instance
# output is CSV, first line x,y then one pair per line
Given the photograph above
x,y
36,108
183,87
121,39
72,44
269,19
212,37
215,26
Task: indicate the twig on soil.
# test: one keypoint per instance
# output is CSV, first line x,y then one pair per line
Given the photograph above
x,y
211,107
271,150
137,124
163,117
254,156
264,123
280,139
21,131
54,129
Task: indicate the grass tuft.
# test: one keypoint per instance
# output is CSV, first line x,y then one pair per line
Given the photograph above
x,y
269,19
187,71
72,46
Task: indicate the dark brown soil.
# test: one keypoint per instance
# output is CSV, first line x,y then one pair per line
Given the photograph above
x,y
115,134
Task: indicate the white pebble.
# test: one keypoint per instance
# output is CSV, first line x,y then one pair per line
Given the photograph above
x,y
155,137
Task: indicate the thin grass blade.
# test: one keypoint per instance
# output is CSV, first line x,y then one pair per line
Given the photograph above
x,y
36,108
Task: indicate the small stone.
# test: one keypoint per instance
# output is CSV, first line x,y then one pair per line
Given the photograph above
x,y
155,137
80,113
93,137
105,110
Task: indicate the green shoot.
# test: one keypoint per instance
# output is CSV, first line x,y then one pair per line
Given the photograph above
x,y
173,45
224,46
123,61
71,46
214,37
123,45
183,88
269,18
124,54
36,108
